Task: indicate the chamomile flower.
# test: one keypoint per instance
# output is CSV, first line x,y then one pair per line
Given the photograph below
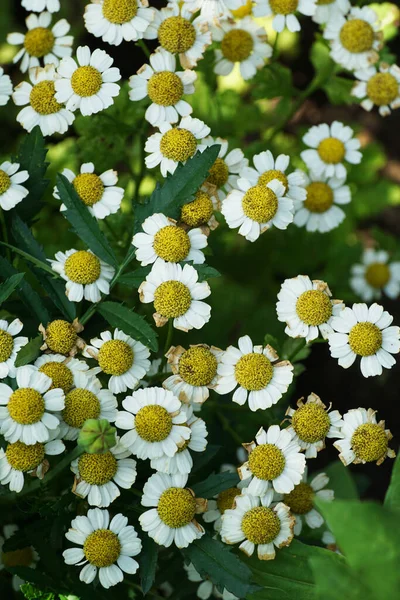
x,y
162,238
40,106
306,307
254,523
85,274
225,171
51,6
6,87
311,424
375,275
355,38
242,42
223,501
173,518
320,210
206,588
378,87
89,83
118,20
98,192
61,337
63,371
107,547
212,11
363,438
254,373
176,294
40,43
23,557
331,146
329,9
10,345
172,145
165,87
365,332
11,190
200,211
27,414
284,12
156,423
122,357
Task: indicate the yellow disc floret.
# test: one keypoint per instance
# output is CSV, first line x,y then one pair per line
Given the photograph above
x,y
120,11
284,7
314,307
271,175
311,422
357,36
97,469
176,34
382,89
61,336
89,187
86,81
42,98
26,406
172,299
219,173
244,10
365,339
253,371
102,548
198,366
165,88
260,204
300,500
331,150
82,267
171,243
80,404
176,507
5,182
115,357
198,212
25,458
39,41
319,197
226,499
18,558
178,144
60,375
237,45
6,345
261,525
377,275
324,2
369,442
266,462
153,423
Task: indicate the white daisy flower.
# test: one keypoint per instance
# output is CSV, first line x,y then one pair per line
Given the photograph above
x,y
176,294
118,20
329,9
363,438
40,43
173,518
10,345
27,414
330,146
223,501
242,42
284,12
253,522
85,274
11,190
172,145
224,173
26,557
98,192
108,547
64,372
212,11
165,88
378,87
355,38
122,357
306,307
206,588
200,211
365,332
260,378
43,109
89,83
375,275
51,6
6,87
274,462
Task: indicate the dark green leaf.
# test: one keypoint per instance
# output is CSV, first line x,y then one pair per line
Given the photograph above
x,y
392,498
202,459
322,62
134,279
16,541
9,286
148,563
341,481
215,483
29,352
206,272
272,81
130,322
338,90
335,580
40,264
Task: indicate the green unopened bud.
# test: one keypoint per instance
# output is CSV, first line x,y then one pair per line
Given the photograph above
x,y
97,436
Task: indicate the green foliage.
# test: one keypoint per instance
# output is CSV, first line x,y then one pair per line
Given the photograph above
x,y
29,352
215,483
148,564
338,89
392,498
130,323
9,286
341,481
273,81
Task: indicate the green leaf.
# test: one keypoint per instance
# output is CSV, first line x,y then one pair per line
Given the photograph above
x,y
215,483
392,498
335,580
322,62
148,563
9,286
29,352
206,272
341,481
338,90
134,279
83,223
33,593
42,265
272,81
130,322
201,459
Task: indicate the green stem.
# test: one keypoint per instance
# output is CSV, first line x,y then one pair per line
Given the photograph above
x,y
144,47
275,51
5,233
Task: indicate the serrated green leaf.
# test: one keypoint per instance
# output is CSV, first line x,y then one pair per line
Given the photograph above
x,y
29,352
341,481
392,498
148,563
134,279
38,263
215,483
130,322
9,286
272,81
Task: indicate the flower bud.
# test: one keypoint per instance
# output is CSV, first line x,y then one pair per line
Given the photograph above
x,y
97,436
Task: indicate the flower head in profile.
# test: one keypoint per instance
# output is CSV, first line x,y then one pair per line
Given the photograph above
x,y
224,173
375,275
10,345
6,87
285,12
115,21
378,87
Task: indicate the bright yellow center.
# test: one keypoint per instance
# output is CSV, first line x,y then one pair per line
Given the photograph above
x,y
382,89
25,458
178,144
253,371
97,469
311,423
331,150
18,558
5,182
176,507
198,366
237,45
176,35
102,548
61,336
82,267
319,197
6,345
357,36
261,525
300,500
199,211
39,41
283,7
172,299
273,174
42,98
165,88
26,406
60,375
89,188
80,404
266,462
369,442
314,307
153,423
115,357
219,173
365,339
86,81
377,275
120,11
260,204
243,11
324,2
171,243
226,499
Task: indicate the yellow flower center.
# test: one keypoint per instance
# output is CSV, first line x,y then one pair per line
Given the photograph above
x,y
365,339
89,188
369,442
25,458
382,88
219,173
80,404
26,406
5,182
226,499
261,525
273,174
171,243
198,366
357,36
243,11
253,371
199,211
301,499
165,88
283,7
119,11
42,98
97,469
102,548
237,45
82,267
153,423
377,275
324,2
86,81
314,307
266,462
178,144
39,41
176,507
115,357
260,204
172,299
331,150
176,35
6,345
319,197
311,423
60,375
61,336
18,558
